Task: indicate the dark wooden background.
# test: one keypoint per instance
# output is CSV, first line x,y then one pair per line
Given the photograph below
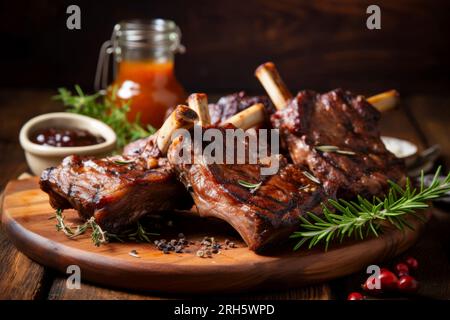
x,y
316,44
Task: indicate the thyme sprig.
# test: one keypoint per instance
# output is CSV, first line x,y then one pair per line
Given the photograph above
x,y
108,108
61,225
364,218
98,235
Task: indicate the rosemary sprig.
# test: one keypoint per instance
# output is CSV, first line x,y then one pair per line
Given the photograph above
x,y
252,186
311,177
124,162
363,217
327,148
106,108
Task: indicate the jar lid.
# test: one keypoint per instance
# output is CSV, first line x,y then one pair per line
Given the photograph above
x,y
156,33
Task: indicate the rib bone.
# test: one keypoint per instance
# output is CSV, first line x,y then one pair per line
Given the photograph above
x,y
181,117
269,77
280,95
199,103
385,101
248,118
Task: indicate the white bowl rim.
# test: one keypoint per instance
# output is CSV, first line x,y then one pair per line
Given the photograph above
x,y
105,131
412,148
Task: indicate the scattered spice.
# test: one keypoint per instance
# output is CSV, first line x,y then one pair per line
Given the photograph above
x,y
208,246
176,245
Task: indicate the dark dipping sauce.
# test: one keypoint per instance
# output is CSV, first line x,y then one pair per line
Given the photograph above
x,y
65,137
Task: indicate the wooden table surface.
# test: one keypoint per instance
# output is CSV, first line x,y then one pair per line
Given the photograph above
x,y
423,120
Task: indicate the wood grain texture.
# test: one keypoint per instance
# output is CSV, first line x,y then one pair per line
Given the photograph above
x,y
89,291
20,277
25,217
316,44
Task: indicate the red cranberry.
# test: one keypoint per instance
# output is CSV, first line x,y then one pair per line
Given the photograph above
x,y
355,296
402,269
412,263
371,282
408,284
389,280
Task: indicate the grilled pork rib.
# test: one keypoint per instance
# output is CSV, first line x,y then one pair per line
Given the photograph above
x,y
264,216
119,190
335,135
117,194
360,163
226,107
264,210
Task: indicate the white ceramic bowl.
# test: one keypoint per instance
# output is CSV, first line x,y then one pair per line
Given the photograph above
x,y
40,157
401,148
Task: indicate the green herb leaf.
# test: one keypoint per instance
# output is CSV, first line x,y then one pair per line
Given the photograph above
x,y
327,148
107,108
99,236
252,186
124,162
363,217
311,177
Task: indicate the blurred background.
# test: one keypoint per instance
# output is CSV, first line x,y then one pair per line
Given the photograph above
x,y
320,44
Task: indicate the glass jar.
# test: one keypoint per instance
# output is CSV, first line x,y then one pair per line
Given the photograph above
x,y
143,67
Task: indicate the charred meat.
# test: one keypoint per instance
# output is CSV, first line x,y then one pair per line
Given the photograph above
x,y
116,191
336,136
264,214
119,190
229,105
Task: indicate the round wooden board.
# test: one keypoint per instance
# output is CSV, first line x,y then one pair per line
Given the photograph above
x,y
26,214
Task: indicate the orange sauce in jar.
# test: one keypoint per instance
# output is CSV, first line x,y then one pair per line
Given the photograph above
x,y
151,87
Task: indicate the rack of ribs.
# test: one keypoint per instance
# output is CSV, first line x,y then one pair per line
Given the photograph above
x,y
335,135
119,190
226,107
265,215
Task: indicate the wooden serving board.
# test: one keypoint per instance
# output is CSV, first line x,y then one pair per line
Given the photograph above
x,y
26,214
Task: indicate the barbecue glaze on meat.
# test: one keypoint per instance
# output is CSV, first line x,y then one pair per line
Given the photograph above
x,y
226,107
119,190
229,105
339,118
263,217
116,193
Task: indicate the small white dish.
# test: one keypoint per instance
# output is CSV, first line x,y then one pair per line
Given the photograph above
x,y
39,157
402,149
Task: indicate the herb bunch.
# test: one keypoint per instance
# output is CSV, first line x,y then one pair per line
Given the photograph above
x,y
363,218
105,107
98,236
